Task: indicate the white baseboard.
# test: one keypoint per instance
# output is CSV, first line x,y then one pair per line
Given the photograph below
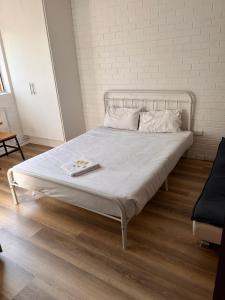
x,y
23,140
42,141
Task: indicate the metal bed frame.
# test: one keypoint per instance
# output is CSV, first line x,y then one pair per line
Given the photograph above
x,y
145,100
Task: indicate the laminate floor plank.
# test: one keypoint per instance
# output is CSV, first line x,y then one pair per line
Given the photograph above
x,y
70,279
13,278
53,250
116,262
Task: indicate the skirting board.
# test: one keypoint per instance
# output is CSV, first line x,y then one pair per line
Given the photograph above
x,y
44,142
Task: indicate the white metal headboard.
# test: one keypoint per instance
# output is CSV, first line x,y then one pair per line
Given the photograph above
x,y
153,100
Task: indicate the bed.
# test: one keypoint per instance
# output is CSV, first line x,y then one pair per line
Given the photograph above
x,y
134,165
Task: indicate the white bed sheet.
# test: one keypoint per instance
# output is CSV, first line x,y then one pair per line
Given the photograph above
x,y
133,167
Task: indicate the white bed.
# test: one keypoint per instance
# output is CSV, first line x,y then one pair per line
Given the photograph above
x,y
134,165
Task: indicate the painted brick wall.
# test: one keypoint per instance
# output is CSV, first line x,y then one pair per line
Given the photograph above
x,y
155,44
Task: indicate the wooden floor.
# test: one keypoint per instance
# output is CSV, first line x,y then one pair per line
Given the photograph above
x,y
55,251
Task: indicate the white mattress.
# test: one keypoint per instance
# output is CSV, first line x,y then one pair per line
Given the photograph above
x,y
133,167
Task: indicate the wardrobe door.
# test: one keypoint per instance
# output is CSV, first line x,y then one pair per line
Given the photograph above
x,y
27,51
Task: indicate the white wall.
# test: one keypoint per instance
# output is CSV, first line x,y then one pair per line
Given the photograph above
x,y
155,44
7,100
62,44
26,45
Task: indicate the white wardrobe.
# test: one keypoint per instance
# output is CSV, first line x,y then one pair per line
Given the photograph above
x,y
40,50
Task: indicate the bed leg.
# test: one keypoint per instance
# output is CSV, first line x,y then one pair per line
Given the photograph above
x,y
13,191
186,154
124,234
12,187
166,185
204,244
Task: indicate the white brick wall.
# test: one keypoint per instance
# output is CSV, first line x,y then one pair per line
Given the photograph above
x,y
155,44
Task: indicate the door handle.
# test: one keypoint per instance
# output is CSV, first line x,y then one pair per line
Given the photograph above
x,y
33,88
31,91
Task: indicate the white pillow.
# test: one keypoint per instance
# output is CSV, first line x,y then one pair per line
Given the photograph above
x,y
122,118
160,121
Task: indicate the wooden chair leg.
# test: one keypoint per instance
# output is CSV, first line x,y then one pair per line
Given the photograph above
x,y
19,148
